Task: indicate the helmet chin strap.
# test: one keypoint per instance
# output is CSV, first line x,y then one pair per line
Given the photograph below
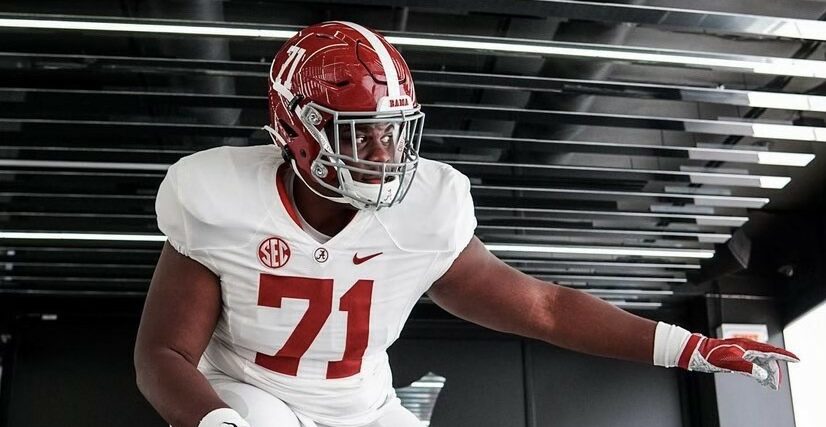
x,y
283,146
340,199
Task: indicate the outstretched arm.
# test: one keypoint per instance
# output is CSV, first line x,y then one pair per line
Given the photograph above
x,y
482,289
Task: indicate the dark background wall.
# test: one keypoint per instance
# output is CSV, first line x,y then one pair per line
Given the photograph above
x,y
775,407
575,390
77,370
68,361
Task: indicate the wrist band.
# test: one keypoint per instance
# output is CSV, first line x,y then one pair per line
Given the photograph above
x,y
669,341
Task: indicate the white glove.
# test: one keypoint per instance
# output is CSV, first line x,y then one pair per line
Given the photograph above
x,y
223,417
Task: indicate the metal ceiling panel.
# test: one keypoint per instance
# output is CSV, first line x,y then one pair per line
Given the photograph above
x,y
619,187
245,69
642,14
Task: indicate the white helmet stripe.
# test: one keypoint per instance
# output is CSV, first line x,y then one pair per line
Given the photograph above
x,y
278,87
386,62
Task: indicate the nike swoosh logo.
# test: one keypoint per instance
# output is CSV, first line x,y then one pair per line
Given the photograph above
x,y
229,424
357,260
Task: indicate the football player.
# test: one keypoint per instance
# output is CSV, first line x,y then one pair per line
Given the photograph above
x,y
290,269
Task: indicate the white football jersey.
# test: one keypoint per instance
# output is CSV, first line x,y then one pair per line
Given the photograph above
x,y
310,322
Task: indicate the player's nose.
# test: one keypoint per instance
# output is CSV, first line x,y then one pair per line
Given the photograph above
x,y
376,151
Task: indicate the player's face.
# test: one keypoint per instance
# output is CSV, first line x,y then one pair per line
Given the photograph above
x,y
375,142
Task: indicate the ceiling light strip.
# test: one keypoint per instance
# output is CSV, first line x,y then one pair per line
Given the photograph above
x,y
743,180
489,112
712,236
607,250
614,264
27,235
742,127
692,19
699,199
635,292
777,100
730,221
635,304
639,279
699,177
696,153
72,23
62,164
741,63
583,250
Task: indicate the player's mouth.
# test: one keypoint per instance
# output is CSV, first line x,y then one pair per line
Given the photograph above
x,y
375,180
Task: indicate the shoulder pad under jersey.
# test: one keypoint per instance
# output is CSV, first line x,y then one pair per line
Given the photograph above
x,y
208,198
437,213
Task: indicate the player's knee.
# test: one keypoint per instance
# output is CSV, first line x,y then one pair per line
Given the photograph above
x,y
258,407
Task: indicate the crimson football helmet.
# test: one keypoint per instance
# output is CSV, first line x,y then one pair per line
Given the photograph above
x,y
327,81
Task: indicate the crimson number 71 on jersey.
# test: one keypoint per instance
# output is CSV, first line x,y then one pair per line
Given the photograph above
x,y
319,292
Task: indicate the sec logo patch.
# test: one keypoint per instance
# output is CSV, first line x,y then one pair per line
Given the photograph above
x,y
274,252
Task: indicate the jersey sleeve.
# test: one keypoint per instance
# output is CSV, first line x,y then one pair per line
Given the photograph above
x,y
175,220
463,229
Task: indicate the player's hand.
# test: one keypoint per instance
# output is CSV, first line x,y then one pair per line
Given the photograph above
x,y
223,417
757,360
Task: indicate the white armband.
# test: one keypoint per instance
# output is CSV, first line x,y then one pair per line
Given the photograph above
x,y
669,341
223,417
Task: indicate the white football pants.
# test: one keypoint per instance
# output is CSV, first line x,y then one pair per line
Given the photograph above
x,y
262,409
